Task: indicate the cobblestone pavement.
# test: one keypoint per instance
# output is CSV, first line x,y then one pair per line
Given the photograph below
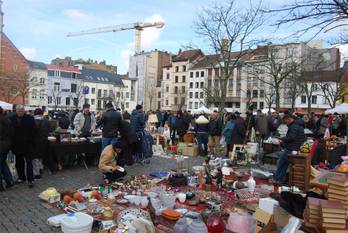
x,y
21,210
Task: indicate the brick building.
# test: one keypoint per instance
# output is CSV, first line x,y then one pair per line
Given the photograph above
x,y
14,67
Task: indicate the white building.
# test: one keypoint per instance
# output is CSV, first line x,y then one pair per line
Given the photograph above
x,y
38,81
130,92
64,87
147,69
175,83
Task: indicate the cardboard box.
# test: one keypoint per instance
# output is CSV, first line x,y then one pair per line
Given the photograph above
x,y
190,149
281,216
262,216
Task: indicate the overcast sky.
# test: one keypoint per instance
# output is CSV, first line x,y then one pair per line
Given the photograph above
x,y
39,27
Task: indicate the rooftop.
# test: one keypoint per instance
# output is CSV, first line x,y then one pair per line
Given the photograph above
x,y
187,55
101,76
72,69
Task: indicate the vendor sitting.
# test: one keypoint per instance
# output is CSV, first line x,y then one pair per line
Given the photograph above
x,y
291,142
108,165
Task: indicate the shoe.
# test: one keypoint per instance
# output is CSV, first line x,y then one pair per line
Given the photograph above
x,y
30,184
37,177
19,181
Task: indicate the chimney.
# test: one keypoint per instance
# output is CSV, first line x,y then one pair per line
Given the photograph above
x,y
1,18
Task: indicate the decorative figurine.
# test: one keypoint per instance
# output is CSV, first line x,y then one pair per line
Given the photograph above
x,y
219,178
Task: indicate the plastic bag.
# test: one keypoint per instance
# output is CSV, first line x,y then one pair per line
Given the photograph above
x,y
222,141
293,225
11,161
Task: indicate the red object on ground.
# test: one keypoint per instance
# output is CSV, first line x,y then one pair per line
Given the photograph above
x,y
215,223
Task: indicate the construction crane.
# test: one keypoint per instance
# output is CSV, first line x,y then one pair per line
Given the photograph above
x,y
139,27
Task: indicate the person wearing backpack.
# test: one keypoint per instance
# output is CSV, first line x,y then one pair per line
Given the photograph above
x,y
227,132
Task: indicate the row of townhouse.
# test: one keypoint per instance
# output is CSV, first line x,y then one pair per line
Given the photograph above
x,y
190,74
69,87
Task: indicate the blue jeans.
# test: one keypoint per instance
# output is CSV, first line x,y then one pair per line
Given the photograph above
x,y
282,165
5,172
202,140
107,141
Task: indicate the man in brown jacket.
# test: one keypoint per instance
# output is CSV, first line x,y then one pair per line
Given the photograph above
x,y
108,162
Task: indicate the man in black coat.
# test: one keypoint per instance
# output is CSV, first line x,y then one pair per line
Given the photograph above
x,y
291,142
110,121
24,144
238,132
6,134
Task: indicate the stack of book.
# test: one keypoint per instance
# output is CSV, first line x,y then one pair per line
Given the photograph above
x,y
333,216
312,212
338,189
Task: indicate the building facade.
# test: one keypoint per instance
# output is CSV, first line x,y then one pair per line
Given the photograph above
x,y
146,67
38,77
64,88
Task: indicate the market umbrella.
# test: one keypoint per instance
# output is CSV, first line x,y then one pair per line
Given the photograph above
x,y
340,109
5,106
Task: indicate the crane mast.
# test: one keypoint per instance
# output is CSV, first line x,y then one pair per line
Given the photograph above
x,y
139,27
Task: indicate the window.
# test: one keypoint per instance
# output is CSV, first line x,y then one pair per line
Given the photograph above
x,y
127,104
176,68
168,76
248,93
238,93
167,103
202,73
183,90
262,93
196,105
76,102
190,105
191,84
127,95
99,93
191,74
73,88
34,94
118,95
191,95
99,104
159,94
58,100
197,74
49,99
167,89
93,90
87,101
184,68
105,93
50,73
202,84
175,90
176,79
196,95
56,87
111,92
93,101
183,78
201,95
237,104
314,99
261,105
176,100
255,93
42,94
197,84
303,99
254,104
42,81
67,101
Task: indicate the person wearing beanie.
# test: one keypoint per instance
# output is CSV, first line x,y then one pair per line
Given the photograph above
x,y
108,162
41,142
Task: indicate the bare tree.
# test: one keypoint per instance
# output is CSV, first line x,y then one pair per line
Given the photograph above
x,y
77,95
315,15
227,28
333,89
273,70
56,93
